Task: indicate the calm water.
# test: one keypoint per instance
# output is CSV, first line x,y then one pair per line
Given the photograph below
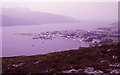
x,y
15,45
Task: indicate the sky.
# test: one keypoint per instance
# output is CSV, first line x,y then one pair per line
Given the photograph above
x,y
93,11
59,0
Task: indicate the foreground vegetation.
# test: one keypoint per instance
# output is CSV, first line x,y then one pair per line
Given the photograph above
x,y
102,58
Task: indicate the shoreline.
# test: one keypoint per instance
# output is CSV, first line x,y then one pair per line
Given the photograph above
x,y
98,59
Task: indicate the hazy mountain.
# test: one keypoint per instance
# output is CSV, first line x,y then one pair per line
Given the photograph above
x,y
25,16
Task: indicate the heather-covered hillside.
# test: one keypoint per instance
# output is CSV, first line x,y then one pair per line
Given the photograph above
x,y
93,60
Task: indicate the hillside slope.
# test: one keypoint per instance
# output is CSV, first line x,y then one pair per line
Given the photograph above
x,y
101,58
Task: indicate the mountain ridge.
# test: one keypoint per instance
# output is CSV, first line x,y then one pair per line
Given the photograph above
x,y
12,16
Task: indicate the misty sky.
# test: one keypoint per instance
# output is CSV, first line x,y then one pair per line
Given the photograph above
x,y
93,11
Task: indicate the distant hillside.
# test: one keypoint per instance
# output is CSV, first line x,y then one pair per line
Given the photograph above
x,y
24,16
115,26
100,58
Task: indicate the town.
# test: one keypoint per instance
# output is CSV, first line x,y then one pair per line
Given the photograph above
x,y
96,37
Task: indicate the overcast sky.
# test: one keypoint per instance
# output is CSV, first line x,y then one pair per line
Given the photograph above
x,y
96,11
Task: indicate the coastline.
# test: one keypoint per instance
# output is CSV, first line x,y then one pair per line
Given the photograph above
x,y
102,58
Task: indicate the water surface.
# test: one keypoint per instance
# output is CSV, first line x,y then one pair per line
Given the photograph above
x,y
15,45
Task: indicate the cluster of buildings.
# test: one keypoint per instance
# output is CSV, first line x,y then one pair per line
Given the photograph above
x,y
88,70
97,37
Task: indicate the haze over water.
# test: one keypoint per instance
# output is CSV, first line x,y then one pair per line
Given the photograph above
x,y
14,45
90,16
